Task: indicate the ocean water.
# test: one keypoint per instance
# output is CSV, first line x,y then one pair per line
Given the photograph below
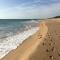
x,y
13,32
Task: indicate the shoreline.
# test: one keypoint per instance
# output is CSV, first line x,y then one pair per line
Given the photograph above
x,y
13,44
24,46
40,46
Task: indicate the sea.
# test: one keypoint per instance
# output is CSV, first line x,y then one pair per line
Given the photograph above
x,y
14,31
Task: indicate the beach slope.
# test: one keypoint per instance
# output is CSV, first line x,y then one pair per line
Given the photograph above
x,y
44,45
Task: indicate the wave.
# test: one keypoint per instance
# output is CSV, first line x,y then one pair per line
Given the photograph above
x,y
13,42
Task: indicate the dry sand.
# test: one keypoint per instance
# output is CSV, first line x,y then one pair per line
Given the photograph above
x,y
44,45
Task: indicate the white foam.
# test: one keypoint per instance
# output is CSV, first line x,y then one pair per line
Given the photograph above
x,y
12,42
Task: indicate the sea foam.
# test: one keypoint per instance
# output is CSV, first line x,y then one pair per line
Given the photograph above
x,y
13,42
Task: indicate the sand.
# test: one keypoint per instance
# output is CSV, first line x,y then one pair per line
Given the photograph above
x,y
44,45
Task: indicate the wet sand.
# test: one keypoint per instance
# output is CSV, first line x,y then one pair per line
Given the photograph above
x,y
44,45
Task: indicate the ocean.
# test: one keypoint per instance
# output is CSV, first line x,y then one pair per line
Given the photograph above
x,y
14,31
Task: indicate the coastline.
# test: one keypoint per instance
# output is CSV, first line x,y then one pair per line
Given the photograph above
x,y
38,46
14,41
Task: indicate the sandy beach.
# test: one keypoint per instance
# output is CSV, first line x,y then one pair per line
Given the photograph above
x,y
43,45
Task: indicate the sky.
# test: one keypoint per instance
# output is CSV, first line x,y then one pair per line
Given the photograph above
x,y
29,9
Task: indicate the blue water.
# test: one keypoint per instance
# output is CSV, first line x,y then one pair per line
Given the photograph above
x,y
10,27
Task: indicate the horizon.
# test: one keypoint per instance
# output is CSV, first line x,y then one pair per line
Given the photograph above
x,y
29,9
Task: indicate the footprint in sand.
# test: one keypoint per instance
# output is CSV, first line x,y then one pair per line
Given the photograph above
x,y
40,36
52,49
51,57
58,54
47,50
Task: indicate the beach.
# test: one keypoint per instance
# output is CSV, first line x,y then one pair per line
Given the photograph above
x,y
43,45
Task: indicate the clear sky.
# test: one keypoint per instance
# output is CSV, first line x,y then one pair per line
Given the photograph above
x,y
25,9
